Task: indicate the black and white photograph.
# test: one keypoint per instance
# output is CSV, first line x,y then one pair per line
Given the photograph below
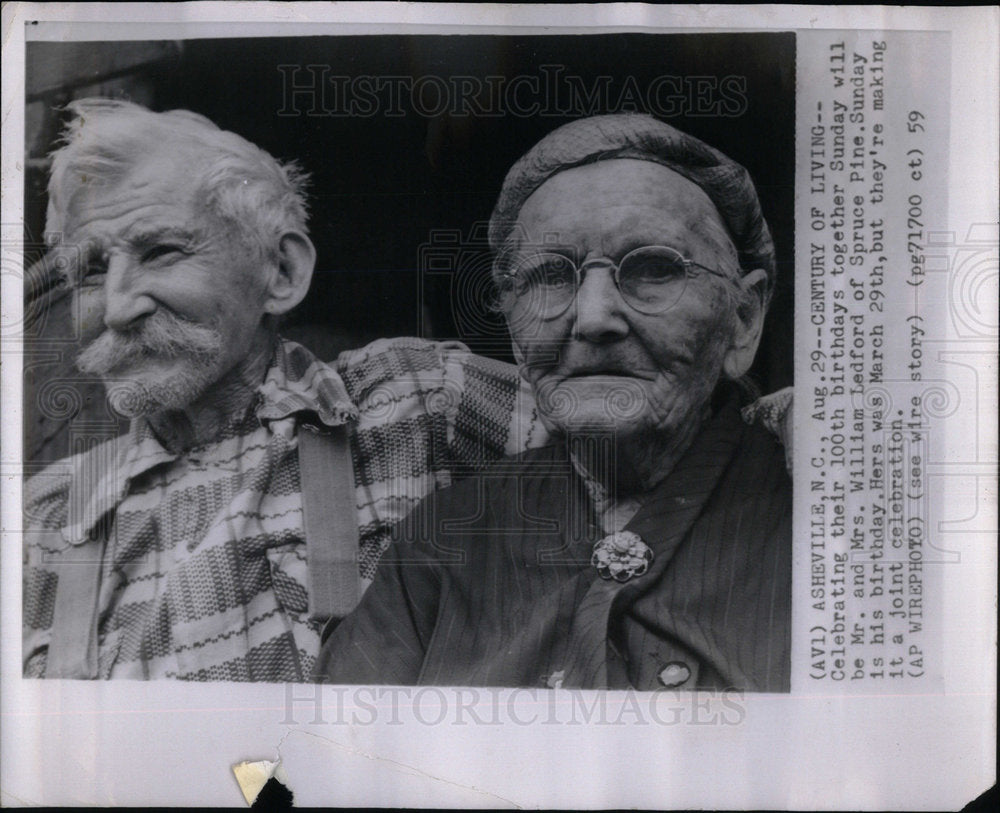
x,y
290,365
425,378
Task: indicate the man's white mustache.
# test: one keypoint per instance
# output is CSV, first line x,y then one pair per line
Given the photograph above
x,y
162,335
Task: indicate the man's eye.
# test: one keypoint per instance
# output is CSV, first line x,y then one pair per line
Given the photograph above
x,y
159,252
94,271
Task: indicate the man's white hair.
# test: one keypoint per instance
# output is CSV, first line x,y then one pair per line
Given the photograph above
x,y
242,184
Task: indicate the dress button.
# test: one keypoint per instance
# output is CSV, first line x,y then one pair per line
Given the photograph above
x,y
674,674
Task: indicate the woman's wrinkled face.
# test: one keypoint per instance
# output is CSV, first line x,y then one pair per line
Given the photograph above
x,y
602,364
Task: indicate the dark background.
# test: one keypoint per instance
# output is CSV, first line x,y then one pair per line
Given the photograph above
x,y
385,187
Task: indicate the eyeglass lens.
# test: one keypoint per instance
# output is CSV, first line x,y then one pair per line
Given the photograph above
x,y
651,279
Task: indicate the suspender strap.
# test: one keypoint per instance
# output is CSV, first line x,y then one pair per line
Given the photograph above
x,y
73,646
331,523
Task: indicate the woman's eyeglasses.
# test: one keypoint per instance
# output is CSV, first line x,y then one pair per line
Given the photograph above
x,y
651,279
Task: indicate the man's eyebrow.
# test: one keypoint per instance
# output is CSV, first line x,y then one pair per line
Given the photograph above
x,y
146,235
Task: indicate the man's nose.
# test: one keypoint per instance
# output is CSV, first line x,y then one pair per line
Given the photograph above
x,y
600,310
125,303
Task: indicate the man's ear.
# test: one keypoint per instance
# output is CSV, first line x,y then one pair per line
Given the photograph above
x,y
289,281
748,324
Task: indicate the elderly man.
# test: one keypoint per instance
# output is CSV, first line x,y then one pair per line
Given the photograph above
x,y
652,547
257,485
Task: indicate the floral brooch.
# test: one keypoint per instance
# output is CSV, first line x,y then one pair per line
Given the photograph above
x,y
620,556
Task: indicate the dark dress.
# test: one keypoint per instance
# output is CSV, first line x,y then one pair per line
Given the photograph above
x,y
490,583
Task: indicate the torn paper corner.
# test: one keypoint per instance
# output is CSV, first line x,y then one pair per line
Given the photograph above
x,y
252,777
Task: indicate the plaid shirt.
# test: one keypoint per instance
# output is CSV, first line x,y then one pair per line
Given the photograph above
x,y
204,573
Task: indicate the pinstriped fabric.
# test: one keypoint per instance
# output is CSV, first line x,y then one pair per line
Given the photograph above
x,y
509,530
205,573
663,523
739,581
523,606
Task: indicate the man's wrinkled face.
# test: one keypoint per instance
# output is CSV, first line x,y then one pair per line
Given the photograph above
x,y
601,363
179,300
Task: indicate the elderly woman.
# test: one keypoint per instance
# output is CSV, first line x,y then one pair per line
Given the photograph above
x,y
652,546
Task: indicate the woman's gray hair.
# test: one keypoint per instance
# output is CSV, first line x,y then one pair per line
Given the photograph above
x,y
242,184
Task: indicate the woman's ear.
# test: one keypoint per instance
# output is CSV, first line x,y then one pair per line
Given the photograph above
x,y
289,283
748,324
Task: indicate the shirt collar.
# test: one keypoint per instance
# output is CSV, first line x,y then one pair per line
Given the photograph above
x,y
611,511
297,383
100,478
